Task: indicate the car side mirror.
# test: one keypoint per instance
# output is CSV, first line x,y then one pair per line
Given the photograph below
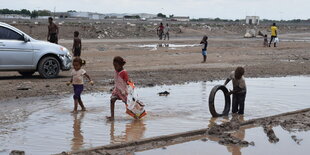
x,y
25,38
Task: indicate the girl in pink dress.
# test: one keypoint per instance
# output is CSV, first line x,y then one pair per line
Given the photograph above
x,y
121,79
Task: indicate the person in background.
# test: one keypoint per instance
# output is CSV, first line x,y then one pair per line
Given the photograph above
x,y
52,35
274,35
160,31
204,43
265,40
77,45
166,32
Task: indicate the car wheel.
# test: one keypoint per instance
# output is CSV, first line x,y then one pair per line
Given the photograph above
x,y
29,73
49,67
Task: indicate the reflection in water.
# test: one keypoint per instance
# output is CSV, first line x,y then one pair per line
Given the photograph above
x,y
240,134
134,131
78,139
204,91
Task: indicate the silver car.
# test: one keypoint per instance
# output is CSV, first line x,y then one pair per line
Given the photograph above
x,y
19,52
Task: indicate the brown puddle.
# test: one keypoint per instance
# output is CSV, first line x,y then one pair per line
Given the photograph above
x,y
288,143
46,122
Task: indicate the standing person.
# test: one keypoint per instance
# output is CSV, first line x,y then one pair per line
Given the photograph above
x,y
121,79
265,40
204,43
160,31
52,35
166,32
239,90
274,34
77,45
78,83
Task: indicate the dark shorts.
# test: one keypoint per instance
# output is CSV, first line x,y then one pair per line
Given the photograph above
x,y
53,38
238,103
78,89
77,52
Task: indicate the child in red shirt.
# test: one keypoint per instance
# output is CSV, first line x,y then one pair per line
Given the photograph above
x,y
121,79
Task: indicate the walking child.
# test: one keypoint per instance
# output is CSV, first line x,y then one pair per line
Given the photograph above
x,y
121,80
160,31
204,43
78,83
239,90
77,45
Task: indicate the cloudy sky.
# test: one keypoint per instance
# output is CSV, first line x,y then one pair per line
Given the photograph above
x,y
228,9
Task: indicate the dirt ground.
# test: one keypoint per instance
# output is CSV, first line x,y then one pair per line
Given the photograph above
x,y
167,65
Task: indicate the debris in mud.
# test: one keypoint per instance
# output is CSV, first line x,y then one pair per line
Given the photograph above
x,y
23,88
296,139
272,138
235,141
165,93
17,152
150,85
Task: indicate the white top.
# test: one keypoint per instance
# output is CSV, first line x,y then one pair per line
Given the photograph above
x,y
166,29
240,83
77,76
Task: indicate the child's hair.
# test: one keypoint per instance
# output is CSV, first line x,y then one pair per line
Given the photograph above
x,y
204,39
240,70
119,60
274,24
76,33
265,35
50,18
80,61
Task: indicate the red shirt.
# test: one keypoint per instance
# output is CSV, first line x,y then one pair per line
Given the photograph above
x,y
124,75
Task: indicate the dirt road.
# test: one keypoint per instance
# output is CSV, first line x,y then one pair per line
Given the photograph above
x,y
154,64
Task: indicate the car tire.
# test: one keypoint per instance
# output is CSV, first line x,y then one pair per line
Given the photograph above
x,y
26,74
211,101
49,67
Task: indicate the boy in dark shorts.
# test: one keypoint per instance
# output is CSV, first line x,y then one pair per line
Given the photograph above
x,y
239,90
52,35
77,45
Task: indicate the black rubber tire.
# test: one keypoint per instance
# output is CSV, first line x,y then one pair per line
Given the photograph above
x,y
49,67
26,73
212,97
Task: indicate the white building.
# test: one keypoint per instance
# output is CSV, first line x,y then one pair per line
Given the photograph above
x,y
180,18
14,16
252,20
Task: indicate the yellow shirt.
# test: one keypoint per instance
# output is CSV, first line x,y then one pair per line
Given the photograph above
x,y
274,30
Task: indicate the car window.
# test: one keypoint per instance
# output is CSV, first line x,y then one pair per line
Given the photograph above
x,y
8,34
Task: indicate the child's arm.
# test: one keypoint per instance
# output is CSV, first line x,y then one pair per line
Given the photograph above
x,y
227,81
69,82
88,77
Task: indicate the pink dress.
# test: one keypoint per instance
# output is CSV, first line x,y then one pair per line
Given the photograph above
x,y
120,87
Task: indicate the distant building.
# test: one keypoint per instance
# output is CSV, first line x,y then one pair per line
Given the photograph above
x,y
180,18
13,16
252,20
86,15
155,19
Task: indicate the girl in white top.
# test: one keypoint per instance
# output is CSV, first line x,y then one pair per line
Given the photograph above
x,y
78,83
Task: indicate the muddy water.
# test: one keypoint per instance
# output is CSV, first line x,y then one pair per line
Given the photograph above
x,y
48,127
154,47
289,143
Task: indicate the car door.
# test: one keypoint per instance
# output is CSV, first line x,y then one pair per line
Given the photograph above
x,y
15,53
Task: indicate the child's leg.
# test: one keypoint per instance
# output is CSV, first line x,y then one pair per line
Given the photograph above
x,y
241,100
81,104
77,96
112,105
234,104
75,106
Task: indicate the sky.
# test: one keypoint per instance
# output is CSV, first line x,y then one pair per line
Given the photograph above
x,y
225,9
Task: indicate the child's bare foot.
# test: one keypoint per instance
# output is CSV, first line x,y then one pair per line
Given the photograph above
x,y
203,62
83,109
110,118
74,112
